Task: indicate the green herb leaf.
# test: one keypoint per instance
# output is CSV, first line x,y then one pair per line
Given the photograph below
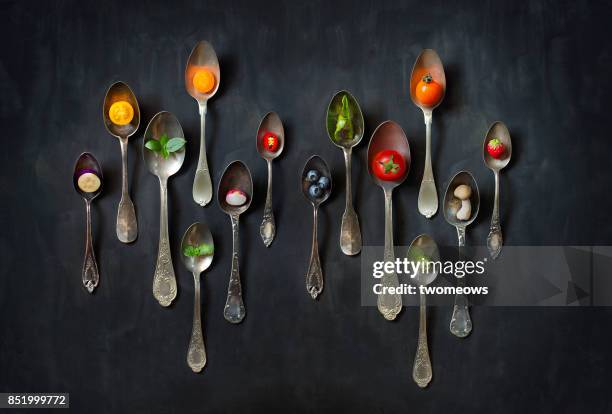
x,y
175,144
164,152
163,140
344,124
153,145
205,249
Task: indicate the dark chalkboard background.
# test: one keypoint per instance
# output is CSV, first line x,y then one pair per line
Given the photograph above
x,y
541,67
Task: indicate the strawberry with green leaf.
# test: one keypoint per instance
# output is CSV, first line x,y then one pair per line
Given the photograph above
x,y
496,148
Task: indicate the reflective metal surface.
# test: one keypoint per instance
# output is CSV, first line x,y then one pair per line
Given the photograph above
x,y
424,245
389,135
196,234
500,131
127,226
461,323
202,56
271,122
235,176
314,275
164,279
350,233
89,275
427,62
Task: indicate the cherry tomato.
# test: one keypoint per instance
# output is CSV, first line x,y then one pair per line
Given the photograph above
x,y
388,165
270,142
428,91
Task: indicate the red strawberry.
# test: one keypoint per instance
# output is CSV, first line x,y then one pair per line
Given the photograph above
x,y
495,148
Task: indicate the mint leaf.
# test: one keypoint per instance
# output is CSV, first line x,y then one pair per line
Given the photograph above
x,y
163,140
175,144
164,152
153,145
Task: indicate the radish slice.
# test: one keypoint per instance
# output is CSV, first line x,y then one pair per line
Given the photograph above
x,y
88,181
235,197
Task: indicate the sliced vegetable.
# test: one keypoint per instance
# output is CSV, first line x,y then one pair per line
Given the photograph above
x,y
270,142
121,113
235,197
203,249
204,81
88,181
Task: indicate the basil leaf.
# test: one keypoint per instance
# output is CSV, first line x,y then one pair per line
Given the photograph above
x,y
164,152
175,144
163,140
153,145
205,249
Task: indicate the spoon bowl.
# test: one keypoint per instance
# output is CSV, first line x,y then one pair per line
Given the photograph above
x,y
462,177
334,109
163,123
315,163
428,62
271,122
196,235
235,176
120,91
388,136
87,162
500,131
202,56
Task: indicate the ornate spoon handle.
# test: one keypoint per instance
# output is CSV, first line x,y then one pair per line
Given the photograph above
x,y
234,311
164,281
389,304
196,355
461,324
428,196
421,371
495,239
90,275
267,230
127,226
202,183
350,234
314,276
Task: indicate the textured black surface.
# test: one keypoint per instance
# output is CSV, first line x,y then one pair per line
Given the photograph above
x,y
541,67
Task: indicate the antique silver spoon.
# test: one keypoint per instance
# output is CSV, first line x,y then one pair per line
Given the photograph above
x,y
87,162
271,123
314,275
164,280
346,137
500,131
236,176
127,226
389,136
425,250
461,324
428,62
202,57
197,236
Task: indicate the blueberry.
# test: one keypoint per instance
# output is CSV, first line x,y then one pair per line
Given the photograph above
x,y
324,182
312,176
315,191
